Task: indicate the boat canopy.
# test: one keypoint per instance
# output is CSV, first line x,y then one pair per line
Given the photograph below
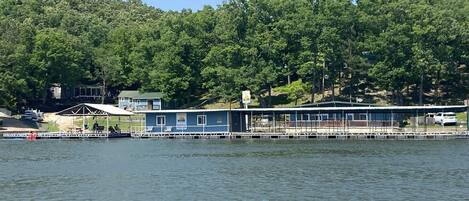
x,y
376,109
88,109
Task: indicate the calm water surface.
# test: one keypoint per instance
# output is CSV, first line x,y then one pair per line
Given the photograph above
x,y
133,169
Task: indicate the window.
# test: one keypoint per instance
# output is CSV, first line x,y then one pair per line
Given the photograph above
x,y
181,119
315,117
219,120
201,120
363,116
287,117
160,120
324,117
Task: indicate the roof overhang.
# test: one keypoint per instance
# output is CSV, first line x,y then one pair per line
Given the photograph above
x,y
181,111
3,115
381,109
88,109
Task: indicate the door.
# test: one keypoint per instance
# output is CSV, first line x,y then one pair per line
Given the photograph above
x,y
149,104
181,121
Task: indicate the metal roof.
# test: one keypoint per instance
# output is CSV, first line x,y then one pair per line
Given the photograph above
x,y
3,115
336,104
182,111
397,109
88,109
140,95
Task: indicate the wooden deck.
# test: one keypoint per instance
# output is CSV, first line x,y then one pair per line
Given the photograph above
x,y
311,135
225,135
61,135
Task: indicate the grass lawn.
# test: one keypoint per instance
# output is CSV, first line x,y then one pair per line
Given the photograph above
x,y
461,116
50,127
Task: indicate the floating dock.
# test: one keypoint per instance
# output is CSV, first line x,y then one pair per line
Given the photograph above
x,y
61,135
319,136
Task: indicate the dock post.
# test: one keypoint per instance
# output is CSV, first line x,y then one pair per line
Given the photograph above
x,y
273,119
424,121
343,120
467,118
107,125
417,120
392,121
319,121
252,129
296,121
368,121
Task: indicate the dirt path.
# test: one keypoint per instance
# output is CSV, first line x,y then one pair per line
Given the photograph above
x,y
64,123
15,125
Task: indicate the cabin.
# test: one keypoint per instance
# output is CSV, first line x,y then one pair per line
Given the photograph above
x,y
138,101
288,120
81,92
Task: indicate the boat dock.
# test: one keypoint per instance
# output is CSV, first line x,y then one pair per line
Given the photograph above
x,y
240,135
62,135
319,136
390,122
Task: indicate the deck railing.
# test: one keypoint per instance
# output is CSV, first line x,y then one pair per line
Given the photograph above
x,y
182,129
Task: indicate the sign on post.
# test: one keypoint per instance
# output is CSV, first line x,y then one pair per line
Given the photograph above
x,y
246,98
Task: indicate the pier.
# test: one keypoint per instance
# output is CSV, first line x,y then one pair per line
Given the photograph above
x,y
393,122
319,136
384,122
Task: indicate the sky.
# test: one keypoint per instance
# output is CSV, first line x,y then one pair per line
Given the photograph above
x,y
177,5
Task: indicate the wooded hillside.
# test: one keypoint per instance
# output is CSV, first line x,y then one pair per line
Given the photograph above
x,y
413,51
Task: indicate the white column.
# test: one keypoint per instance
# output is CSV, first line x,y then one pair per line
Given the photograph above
x,y
107,124
392,121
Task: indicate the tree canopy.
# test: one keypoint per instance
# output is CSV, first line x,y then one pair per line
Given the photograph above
x,y
405,51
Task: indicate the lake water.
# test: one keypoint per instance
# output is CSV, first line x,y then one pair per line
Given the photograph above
x,y
134,169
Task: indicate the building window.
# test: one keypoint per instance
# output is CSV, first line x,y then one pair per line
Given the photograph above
x,y
363,116
160,120
201,120
181,119
324,117
315,117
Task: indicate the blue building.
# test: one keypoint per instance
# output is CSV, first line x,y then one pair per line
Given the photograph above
x,y
288,120
187,121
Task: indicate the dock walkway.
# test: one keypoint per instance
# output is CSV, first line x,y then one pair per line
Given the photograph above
x,y
224,135
335,135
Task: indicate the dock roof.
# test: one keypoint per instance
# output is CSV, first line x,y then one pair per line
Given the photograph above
x,y
140,95
396,109
88,109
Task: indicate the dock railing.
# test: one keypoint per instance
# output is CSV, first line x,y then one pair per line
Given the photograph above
x,y
181,130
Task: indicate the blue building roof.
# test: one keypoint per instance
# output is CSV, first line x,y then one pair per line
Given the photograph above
x,y
397,109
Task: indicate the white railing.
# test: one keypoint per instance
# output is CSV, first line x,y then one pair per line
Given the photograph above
x,y
200,129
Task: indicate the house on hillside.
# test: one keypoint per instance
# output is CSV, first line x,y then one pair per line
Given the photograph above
x,y
78,92
138,101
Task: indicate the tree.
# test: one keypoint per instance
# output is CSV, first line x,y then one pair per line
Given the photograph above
x,y
295,90
56,58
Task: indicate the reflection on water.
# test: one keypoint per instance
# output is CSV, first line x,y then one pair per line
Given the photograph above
x,y
133,169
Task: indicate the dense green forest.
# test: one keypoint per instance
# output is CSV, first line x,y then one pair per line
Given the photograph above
x,y
408,51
